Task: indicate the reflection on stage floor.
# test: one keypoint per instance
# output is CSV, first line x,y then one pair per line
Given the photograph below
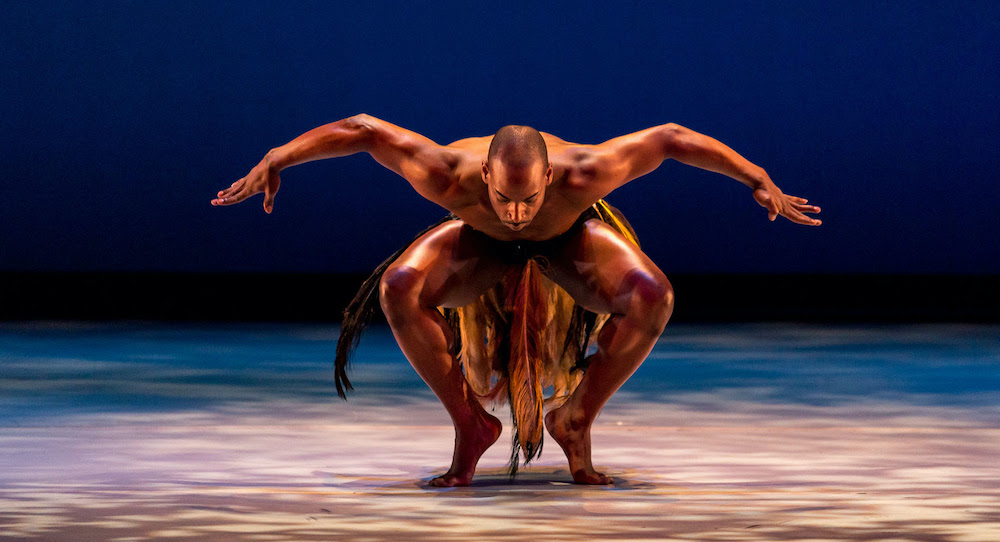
x,y
134,431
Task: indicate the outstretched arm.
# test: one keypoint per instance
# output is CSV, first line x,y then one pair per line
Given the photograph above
x,y
428,166
620,160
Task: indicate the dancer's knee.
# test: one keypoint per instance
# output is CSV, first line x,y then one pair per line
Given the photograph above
x,y
399,291
652,300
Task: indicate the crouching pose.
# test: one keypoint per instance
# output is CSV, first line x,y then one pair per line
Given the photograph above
x,y
504,296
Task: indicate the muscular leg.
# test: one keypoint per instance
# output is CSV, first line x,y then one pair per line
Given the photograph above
x,y
448,267
606,274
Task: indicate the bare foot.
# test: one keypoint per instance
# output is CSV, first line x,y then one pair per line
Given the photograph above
x,y
575,442
471,442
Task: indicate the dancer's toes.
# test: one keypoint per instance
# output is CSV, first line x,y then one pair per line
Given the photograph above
x,y
450,480
592,477
574,438
471,442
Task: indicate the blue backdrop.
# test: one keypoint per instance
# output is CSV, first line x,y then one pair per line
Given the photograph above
x,y
120,120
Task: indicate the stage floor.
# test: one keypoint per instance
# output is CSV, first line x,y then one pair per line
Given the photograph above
x,y
727,432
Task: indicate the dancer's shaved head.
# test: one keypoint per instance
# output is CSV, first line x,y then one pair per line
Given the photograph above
x,y
518,146
517,171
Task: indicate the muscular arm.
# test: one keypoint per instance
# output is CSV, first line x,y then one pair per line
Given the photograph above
x,y
622,159
429,167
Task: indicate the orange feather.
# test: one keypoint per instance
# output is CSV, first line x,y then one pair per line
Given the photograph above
x,y
529,316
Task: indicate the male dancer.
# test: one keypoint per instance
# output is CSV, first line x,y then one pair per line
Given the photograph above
x,y
520,188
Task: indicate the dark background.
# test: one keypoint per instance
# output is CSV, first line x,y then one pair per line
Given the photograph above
x,y
120,120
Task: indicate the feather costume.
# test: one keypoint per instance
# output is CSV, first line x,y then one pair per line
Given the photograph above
x,y
523,335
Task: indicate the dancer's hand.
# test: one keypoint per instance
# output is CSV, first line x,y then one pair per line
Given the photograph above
x,y
262,178
770,197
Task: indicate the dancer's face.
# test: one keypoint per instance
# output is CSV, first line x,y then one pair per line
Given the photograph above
x,y
516,193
